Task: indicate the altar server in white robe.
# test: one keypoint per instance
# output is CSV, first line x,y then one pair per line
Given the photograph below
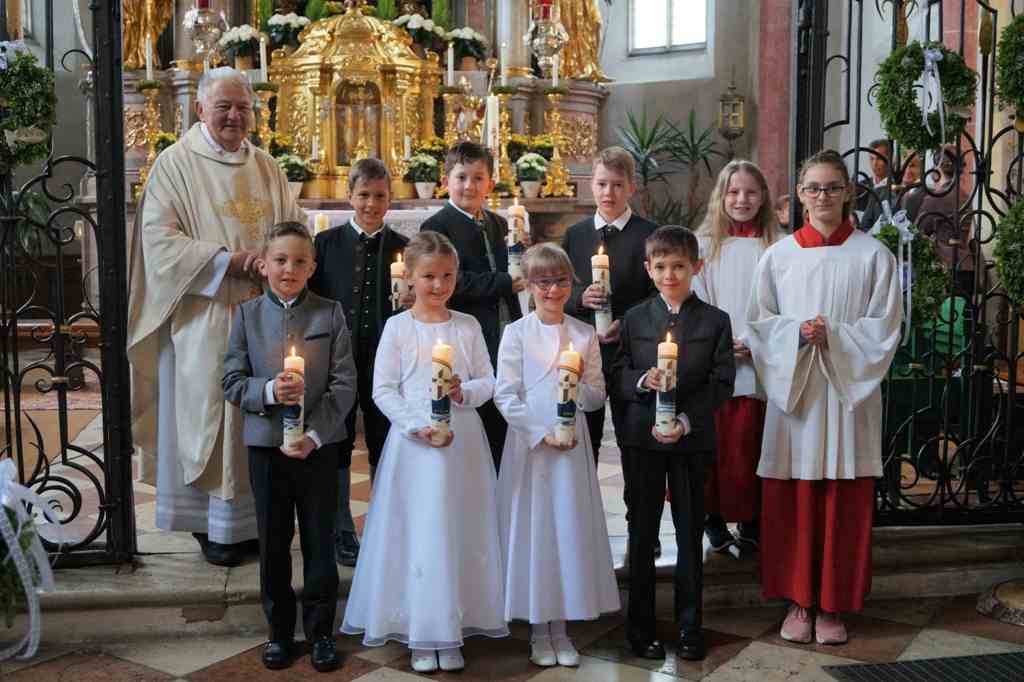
x,y
429,571
207,204
739,226
824,321
558,563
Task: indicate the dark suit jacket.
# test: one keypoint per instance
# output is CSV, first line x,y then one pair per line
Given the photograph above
x,y
479,288
704,378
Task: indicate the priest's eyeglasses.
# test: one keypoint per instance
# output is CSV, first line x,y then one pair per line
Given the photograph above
x,y
830,190
545,283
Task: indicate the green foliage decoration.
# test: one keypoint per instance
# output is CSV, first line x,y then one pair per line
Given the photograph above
x,y
387,10
316,10
441,14
1009,252
930,279
27,101
1010,65
898,97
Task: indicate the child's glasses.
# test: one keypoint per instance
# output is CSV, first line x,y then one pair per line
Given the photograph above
x,y
545,283
830,190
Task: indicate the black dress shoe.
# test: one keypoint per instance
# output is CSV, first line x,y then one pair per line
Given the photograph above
x,y
718,533
251,547
346,548
277,655
651,649
325,655
749,535
203,539
691,645
223,555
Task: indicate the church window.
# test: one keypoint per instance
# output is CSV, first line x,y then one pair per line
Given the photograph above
x,y
664,25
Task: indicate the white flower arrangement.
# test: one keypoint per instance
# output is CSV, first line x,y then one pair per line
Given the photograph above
x,y
468,43
422,168
239,36
294,167
466,33
531,167
291,20
423,31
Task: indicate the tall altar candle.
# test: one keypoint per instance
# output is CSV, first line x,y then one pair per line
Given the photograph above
x,y
398,283
450,76
665,406
601,273
516,223
554,70
493,122
149,58
504,64
292,419
321,223
440,383
263,59
407,146
569,364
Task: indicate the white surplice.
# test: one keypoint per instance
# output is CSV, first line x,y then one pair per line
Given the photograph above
x,y
726,283
824,414
430,571
558,562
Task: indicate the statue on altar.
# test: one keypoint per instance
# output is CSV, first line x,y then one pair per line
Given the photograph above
x,y
582,21
142,18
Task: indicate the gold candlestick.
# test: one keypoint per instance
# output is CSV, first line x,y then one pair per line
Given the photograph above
x,y
505,170
557,184
153,127
264,131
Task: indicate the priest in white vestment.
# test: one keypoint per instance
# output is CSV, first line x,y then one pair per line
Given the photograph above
x,y
208,202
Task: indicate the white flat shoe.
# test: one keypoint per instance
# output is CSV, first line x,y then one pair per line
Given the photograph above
x,y
424,660
565,652
451,659
542,653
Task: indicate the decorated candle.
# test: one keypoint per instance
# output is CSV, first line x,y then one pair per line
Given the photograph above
x,y
516,227
263,59
569,363
149,58
493,121
440,383
665,406
602,275
292,420
321,223
398,284
450,80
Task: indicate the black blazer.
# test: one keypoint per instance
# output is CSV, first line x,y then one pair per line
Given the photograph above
x,y
704,378
335,278
479,288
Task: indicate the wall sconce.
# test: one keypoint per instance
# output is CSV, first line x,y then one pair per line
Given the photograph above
x,y
732,119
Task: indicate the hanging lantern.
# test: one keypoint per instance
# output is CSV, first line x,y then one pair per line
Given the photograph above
x,y
732,120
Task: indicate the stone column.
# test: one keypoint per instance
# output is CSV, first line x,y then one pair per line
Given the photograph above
x,y
513,20
184,85
773,94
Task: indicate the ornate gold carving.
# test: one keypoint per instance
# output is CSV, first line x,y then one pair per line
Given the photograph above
x,y
582,21
579,137
142,18
134,128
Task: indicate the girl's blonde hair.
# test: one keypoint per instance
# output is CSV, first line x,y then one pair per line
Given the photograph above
x,y
717,222
547,259
831,158
428,243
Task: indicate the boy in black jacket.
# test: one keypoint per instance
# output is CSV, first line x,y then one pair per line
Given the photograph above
x,y
485,289
704,380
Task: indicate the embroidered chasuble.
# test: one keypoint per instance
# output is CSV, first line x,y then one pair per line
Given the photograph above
x,y
198,203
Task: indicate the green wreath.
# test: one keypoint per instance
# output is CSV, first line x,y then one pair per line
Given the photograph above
x,y
1010,66
1009,252
930,279
897,98
28,107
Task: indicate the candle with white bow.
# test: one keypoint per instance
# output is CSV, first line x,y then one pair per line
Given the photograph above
x,y
440,384
149,58
399,287
665,406
569,365
292,417
516,227
601,274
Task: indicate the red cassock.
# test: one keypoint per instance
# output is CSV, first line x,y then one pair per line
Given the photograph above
x,y
816,541
732,488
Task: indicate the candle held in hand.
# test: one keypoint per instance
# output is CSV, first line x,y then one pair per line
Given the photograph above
x,y
399,287
321,223
601,273
569,363
293,417
440,383
516,227
665,407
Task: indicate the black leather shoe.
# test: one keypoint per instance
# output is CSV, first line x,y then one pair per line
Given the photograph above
x,y
346,548
203,539
325,655
691,645
651,649
277,655
223,555
718,533
749,535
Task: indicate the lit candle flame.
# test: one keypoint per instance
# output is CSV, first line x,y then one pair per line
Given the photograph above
x,y
515,201
668,337
571,349
600,250
399,257
293,351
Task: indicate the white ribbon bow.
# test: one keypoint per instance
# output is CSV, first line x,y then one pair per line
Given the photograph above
x,y
10,46
17,497
931,91
904,263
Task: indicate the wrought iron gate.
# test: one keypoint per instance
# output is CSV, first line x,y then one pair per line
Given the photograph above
x,y
953,423
90,489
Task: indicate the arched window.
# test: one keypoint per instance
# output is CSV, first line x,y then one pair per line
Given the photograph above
x,y
665,25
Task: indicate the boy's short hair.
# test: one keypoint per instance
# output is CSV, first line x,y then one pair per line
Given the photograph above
x,y
672,240
288,228
617,159
368,169
546,258
467,153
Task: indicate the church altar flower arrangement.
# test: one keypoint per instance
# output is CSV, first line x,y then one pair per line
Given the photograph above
x,y
926,115
423,31
467,43
280,145
531,167
28,107
928,279
433,146
1009,252
294,167
1010,69
164,140
544,145
518,145
284,29
423,168
240,41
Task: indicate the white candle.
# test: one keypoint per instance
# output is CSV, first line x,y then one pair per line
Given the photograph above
x,y
493,123
398,283
263,59
440,383
504,64
149,58
321,223
569,363
408,146
315,151
554,71
450,80
665,406
79,229
517,222
292,419
601,273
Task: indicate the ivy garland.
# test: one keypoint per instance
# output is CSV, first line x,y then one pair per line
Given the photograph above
x,y
930,279
27,102
898,96
1010,66
1009,252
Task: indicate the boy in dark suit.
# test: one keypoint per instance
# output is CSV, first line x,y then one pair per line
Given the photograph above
x,y
485,289
290,478
704,380
353,268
